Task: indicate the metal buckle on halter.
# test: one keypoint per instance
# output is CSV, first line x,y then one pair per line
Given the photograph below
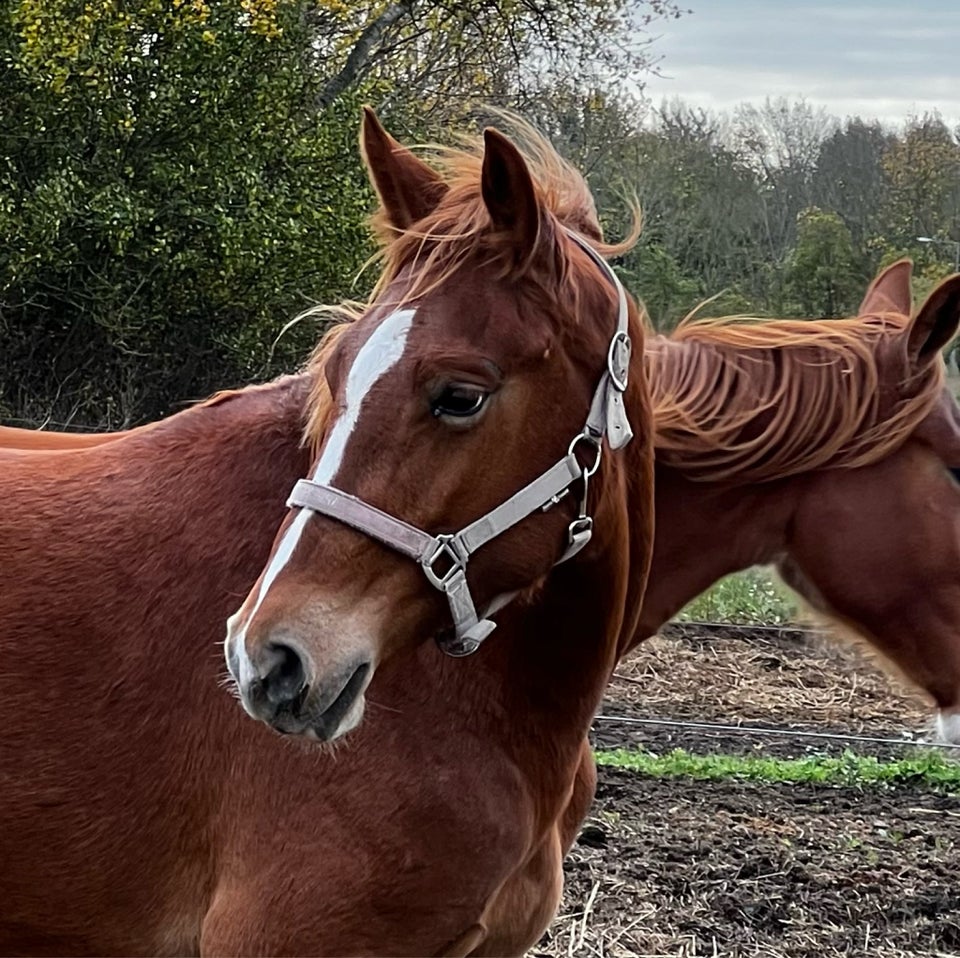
x,y
618,360
596,444
579,533
580,530
446,548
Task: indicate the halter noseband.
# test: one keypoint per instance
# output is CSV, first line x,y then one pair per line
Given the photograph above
x,y
444,557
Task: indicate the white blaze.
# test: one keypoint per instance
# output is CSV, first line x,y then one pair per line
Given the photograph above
x,y
380,353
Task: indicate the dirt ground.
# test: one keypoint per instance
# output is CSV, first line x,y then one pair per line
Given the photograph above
x,y
675,867
788,678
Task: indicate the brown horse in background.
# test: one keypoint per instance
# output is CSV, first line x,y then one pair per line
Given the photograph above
x,y
830,450
142,812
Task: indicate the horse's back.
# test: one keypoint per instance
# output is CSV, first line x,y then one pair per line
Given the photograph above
x,y
12,437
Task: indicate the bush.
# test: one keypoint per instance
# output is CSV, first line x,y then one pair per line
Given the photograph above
x,y
169,199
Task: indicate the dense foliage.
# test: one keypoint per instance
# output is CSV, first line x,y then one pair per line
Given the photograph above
x,y
166,201
780,208
180,178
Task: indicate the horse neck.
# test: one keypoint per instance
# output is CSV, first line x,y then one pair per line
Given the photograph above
x,y
227,466
531,692
708,530
536,684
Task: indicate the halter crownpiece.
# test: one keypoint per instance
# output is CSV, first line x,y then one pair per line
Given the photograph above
x,y
444,557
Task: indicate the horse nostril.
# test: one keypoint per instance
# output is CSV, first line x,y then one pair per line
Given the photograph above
x,y
285,683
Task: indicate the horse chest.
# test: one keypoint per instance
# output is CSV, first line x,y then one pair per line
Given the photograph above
x,y
407,867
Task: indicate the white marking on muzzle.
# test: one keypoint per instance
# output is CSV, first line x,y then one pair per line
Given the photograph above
x,y
380,353
948,725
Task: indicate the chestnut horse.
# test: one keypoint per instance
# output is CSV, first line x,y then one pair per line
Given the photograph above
x,y
831,450
861,521
142,812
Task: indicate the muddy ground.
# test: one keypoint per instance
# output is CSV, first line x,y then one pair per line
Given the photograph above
x,y
674,867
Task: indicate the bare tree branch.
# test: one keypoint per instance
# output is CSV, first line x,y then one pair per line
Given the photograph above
x,y
360,54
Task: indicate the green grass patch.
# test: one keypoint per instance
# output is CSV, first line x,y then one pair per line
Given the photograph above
x,y
752,597
928,768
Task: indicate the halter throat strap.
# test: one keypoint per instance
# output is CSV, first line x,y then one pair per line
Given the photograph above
x,y
444,557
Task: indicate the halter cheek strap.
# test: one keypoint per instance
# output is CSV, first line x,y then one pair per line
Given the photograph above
x,y
444,557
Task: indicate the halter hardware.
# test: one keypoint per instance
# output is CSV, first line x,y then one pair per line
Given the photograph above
x,y
446,549
607,418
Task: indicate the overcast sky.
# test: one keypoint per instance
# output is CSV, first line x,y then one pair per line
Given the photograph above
x,y
886,59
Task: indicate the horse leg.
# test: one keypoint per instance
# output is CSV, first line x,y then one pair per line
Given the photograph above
x,y
528,901
464,944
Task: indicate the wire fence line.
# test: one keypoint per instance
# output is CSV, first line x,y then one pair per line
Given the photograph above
x,y
747,730
793,633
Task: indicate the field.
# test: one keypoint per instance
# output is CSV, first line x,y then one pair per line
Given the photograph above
x,y
781,846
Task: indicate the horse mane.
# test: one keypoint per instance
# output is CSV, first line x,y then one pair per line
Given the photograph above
x,y
458,231
754,400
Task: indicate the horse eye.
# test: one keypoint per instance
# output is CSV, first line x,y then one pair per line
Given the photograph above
x,y
459,401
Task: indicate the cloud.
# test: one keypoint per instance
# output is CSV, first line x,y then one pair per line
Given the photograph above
x,y
885,60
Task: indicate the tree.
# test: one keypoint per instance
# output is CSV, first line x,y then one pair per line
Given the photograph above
x,y
166,202
849,177
701,208
780,141
923,172
443,57
180,177
822,271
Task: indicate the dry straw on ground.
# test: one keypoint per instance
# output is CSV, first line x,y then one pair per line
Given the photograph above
x,y
675,868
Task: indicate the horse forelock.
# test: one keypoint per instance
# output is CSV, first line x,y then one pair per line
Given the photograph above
x,y
750,400
457,234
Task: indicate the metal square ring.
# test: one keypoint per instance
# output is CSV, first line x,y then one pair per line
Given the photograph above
x,y
445,549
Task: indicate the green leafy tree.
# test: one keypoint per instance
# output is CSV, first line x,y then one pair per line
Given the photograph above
x,y
167,202
823,271
180,177
923,173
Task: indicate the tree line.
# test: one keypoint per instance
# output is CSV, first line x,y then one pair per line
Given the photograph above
x,y
179,178
782,209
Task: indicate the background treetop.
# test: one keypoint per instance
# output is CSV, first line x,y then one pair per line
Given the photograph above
x,y
179,178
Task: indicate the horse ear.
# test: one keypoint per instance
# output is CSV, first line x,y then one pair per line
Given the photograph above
x,y
935,323
509,193
408,188
890,291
